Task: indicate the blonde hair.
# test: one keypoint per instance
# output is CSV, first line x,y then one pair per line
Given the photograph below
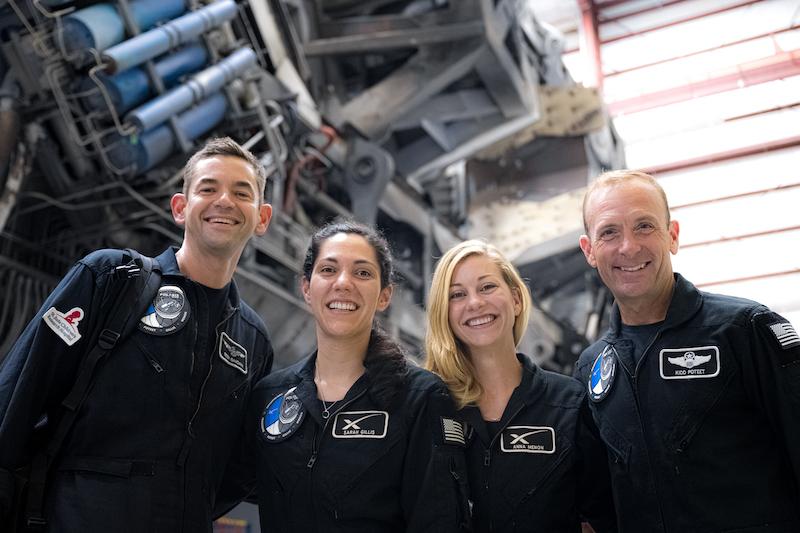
x,y
614,178
446,355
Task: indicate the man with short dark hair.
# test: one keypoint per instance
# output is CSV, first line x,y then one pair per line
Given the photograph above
x,y
696,395
163,417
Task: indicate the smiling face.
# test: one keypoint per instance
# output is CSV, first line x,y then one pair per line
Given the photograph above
x,y
222,208
344,289
482,307
629,242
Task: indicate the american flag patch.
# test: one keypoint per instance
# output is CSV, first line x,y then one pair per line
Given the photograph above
x,y
453,431
786,335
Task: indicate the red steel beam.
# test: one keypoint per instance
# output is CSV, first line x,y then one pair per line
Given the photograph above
x,y
779,66
745,151
750,278
590,43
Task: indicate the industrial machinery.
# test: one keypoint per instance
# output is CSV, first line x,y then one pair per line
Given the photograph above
x,y
436,120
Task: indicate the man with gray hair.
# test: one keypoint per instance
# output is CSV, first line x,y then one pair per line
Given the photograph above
x,y
163,416
696,395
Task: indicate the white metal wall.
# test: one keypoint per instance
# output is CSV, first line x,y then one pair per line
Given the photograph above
x,y
706,95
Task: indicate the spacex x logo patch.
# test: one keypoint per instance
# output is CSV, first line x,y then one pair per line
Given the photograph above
x,y
528,439
360,424
689,363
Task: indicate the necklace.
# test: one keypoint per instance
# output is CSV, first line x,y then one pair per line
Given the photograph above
x,y
326,407
326,411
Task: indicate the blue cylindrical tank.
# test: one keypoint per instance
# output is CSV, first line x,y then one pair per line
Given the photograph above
x,y
132,87
155,145
202,84
100,26
155,42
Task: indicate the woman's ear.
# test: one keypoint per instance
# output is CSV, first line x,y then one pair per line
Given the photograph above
x,y
385,297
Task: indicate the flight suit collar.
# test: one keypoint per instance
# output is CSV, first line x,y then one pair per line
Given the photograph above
x,y
307,390
686,302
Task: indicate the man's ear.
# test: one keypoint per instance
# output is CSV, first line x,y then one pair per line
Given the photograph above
x,y
178,206
385,297
264,216
586,246
674,230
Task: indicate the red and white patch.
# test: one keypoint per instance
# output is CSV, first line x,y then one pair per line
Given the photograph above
x,y
65,325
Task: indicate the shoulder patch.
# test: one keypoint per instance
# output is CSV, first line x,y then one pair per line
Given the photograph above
x,y
453,432
65,325
167,313
282,416
785,334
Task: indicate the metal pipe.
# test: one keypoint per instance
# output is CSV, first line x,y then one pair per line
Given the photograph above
x,y
202,84
100,26
128,89
155,145
155,42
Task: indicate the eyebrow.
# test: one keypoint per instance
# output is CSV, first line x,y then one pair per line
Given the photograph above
x,y
332,259
480,278
215,181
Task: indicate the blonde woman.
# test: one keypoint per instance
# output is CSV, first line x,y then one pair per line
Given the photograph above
x,y
534,460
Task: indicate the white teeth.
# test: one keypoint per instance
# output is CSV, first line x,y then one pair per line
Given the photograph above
x,y
344,306
217,220
480,321
633,268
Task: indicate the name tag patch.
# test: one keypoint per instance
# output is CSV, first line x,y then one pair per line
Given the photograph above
x,y
232,353
689,363
528,439
360,425
65,325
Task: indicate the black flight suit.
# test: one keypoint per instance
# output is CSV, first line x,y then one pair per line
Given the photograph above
x,y
704,432
363,469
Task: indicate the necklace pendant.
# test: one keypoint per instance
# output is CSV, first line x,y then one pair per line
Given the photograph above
x,y
326,414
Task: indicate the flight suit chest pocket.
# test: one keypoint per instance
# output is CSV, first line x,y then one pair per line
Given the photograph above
x,y
132,380
542,452
364,447
231,365
694,396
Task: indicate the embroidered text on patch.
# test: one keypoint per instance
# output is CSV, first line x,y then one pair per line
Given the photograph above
x,y
360,425
689,363
786,334
232,353
65,325
528,439
453,431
